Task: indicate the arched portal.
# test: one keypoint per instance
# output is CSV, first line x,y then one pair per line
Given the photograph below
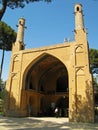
x,y
46,81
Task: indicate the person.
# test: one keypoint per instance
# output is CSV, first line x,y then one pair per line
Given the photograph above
x,y
53,106
56,111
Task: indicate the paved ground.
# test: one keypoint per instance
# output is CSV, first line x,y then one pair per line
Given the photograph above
x,y
32,123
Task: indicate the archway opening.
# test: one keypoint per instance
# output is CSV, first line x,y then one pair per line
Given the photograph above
x,y
47,83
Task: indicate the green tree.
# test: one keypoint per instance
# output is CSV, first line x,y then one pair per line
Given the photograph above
x,y
7,37
93,60
95,84
2,85
2,95
15,4
94,69
2,89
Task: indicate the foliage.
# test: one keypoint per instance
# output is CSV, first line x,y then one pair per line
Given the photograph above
x,y
2,94
95,84
2,89
2,85
7,36
21,3
15,4
94,67
93,58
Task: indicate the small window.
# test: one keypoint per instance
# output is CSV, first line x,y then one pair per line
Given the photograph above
x,y
77,8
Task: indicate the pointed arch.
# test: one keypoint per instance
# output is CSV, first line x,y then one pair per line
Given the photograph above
x,y
46,63
41,81
80,71
79,48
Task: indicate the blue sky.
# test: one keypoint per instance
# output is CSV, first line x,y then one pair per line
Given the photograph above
x,y
49,24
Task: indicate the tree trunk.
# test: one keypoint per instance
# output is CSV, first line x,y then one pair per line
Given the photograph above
x,y
1,67
3,8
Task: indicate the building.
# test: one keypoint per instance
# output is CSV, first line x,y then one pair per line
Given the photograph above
x,y
57,75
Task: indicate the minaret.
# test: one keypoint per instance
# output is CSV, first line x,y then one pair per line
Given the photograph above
x,y
19,44
79,22
20,33
80,31
83,89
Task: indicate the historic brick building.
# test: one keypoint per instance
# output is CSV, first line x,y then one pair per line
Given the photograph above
x,y
57,75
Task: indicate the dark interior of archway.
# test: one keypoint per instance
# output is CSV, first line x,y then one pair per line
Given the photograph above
x,y
46,67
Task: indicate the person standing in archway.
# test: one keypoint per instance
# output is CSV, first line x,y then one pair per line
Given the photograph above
x,y
56,112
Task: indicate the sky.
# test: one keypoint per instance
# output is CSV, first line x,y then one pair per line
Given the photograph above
x,y
50,23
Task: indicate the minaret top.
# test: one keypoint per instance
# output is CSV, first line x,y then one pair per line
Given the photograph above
x,y
20,33
79,22
78,8
19,44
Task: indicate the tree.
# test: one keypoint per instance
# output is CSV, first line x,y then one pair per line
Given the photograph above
x,y
94,60
95,84
15,4
7,37
2,85
94,69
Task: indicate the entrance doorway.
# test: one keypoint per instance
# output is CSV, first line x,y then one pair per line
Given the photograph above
x,y
47,83
63,106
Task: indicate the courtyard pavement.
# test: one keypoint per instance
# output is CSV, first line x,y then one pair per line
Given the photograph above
x,y
46,123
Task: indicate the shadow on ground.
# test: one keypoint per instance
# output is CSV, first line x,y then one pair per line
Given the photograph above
x,y
43,124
